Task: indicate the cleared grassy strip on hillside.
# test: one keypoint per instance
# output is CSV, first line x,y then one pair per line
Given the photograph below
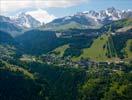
x,y
96,51
128,49
110,48
102,49
60,50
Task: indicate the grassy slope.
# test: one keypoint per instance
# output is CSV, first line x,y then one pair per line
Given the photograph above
x,y
96,51
60,50
127,49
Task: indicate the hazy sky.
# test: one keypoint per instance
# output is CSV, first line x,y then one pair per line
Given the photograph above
x,y
58,8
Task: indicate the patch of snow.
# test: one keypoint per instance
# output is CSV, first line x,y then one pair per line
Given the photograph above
x,y
67,18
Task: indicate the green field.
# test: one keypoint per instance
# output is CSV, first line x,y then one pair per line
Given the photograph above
x,y
60,50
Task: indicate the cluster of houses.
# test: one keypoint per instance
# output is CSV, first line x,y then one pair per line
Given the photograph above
x,y
69,35
52,59
55,60
67,62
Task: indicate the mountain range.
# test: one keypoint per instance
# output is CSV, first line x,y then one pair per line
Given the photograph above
x,y
92,19
15,25
87,19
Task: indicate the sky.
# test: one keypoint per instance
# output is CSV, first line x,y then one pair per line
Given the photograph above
x,y
47,10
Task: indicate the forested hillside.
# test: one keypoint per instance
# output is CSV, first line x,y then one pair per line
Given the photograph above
x,y
40,81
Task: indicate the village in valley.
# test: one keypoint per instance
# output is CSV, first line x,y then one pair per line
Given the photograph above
x,y
66,62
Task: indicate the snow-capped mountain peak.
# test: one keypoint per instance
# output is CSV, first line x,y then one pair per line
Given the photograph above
x,y
25,20
110,13
93,18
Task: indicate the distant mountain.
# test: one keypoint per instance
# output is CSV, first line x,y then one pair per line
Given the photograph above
x,y
80,20
25,20
91,19
17,24
7,25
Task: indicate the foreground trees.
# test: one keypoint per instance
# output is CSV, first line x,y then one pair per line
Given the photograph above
x,y
57,83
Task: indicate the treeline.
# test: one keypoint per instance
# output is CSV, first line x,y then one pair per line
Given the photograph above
x,y
120,41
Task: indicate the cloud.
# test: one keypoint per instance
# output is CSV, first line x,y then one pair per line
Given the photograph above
x,y
41,15
14,5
